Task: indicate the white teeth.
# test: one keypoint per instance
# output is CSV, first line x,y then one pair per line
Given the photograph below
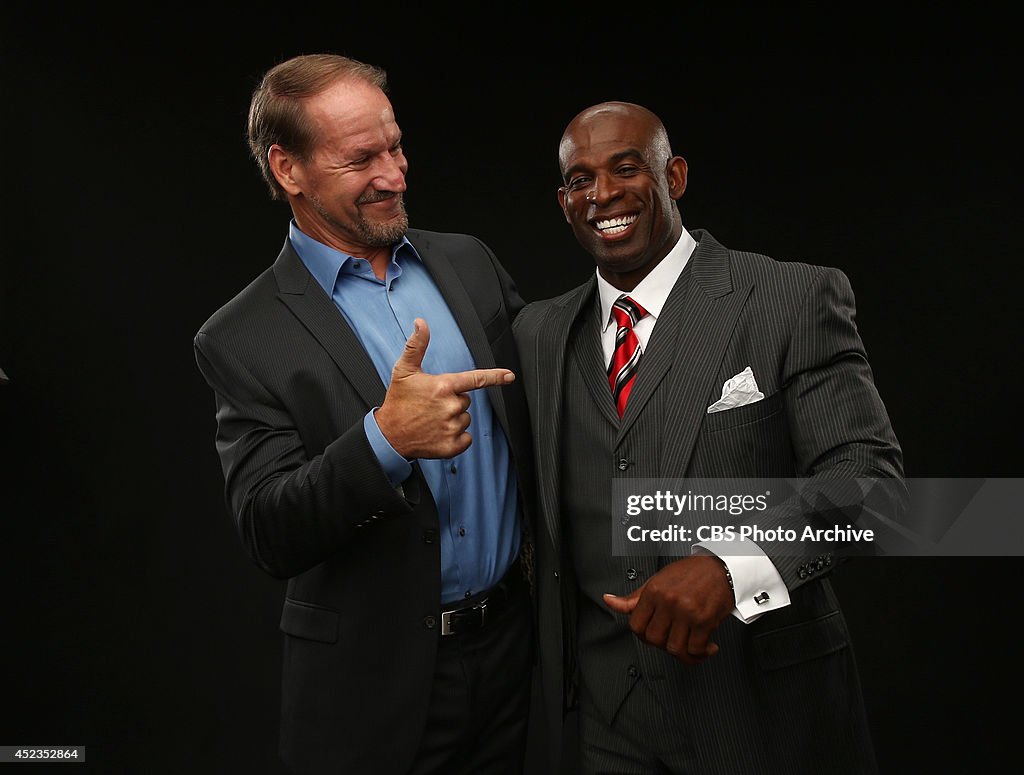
x,y
615,225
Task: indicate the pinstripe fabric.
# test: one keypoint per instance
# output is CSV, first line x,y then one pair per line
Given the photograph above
x,y
589,464
313,506
783,695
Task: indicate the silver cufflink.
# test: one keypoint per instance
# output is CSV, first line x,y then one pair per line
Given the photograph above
x,y
761,598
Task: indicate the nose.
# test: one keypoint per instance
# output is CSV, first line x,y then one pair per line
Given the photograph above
x,y
391,173
603,191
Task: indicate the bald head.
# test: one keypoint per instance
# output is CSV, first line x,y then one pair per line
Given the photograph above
x,y
606,114
620,187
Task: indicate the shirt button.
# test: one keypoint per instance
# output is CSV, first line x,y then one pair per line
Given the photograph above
x,y
556,574
462,531
429,622
468,594
453,469
623,464
631,574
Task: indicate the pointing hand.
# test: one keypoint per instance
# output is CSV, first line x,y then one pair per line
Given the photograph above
x,y
425,415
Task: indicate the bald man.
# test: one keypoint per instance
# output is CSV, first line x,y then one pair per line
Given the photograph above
x,y
696,661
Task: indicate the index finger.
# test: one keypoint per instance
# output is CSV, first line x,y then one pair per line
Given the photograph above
x,y
464,381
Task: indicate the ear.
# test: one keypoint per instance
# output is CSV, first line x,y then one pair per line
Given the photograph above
x,y
562,194
675,171
287,169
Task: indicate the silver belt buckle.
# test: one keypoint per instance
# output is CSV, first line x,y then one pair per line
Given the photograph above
x,y
446,617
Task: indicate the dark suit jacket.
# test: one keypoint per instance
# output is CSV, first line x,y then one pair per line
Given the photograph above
x,y
783,690
312,504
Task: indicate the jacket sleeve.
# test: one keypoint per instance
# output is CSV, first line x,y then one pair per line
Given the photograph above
x,y
292,509
846,452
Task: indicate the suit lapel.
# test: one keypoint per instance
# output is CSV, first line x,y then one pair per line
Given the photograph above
x,y
586,345
549,366
315,309
698,320
465,314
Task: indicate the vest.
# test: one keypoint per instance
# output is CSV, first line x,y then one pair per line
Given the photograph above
x,y
610,658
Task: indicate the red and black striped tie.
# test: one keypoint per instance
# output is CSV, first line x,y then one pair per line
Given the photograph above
x,y
626,356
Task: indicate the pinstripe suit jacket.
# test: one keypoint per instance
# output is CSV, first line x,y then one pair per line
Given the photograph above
x,y
782,695
312,504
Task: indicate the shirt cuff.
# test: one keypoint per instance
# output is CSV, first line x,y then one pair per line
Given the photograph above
x,y
757,585
396,467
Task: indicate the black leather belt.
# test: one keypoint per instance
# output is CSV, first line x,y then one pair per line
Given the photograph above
x,y
480,610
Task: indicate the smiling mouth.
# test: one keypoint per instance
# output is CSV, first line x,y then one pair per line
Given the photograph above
x,y
612,226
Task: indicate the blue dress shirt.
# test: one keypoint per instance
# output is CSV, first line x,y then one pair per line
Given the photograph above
x,y
476,491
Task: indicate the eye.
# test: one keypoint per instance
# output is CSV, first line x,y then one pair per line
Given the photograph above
x,y
396,150
627,169
576,183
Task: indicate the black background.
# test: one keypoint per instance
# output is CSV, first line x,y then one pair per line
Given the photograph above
x,y
133,622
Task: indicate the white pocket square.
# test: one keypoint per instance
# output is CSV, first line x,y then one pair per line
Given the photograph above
x,y
738,391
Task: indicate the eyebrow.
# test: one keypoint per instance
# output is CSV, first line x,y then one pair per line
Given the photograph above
x,y
361,151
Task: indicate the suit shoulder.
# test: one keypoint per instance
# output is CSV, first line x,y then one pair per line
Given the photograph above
x,y
762,269
450,240
532,316
239,312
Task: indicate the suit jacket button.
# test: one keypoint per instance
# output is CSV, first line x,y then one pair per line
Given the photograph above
x,y
429,622
633,672
429,536
623,464
631,574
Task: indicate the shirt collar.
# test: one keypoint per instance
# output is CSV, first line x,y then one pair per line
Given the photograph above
x,y
651,292
324,262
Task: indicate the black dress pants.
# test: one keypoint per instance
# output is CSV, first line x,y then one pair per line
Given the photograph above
x,y
481,697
